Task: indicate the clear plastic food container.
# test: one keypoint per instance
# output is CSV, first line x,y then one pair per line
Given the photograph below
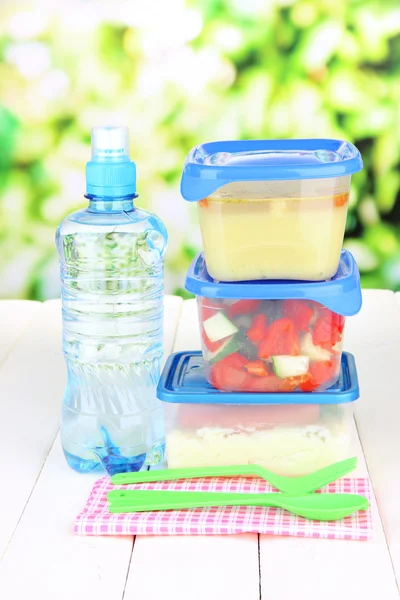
x,y
271,209
289,434
274,336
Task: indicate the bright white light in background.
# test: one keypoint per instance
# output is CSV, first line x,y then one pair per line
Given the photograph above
x,y
141,13
229,38
27,24
31,59
284,2
149,81
322,43
78,17
170,207
254,7
72,183
163,24
194,70
184,27
54,85
306,101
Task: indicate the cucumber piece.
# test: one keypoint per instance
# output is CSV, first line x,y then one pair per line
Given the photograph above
x,y
229,347
290,366
249,351
246,347
313,352
219,327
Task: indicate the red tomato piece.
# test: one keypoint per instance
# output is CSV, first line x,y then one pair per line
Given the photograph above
x,y
328,328
322,371
300,380
281,338
323,329
308,385
228,374
235,360
258,368
299,312
339,322
258,329
242,307
272,383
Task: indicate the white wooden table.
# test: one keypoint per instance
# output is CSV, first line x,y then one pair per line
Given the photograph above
x,y
40,496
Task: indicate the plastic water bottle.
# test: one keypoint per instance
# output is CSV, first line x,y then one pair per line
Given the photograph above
x,y
112,274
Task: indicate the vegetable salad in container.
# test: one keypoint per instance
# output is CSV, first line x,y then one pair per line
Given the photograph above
x,y
289,434
271,209
274,336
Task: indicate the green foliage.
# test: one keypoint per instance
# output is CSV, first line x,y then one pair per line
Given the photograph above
x,y
179,75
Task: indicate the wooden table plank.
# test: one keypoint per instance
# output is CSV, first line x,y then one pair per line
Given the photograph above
x,y
56,564
196,568
31,387
309,569
378,417
361,570
210,567
14,318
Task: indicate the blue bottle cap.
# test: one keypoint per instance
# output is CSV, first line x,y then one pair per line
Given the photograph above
x,y
341,294
183,382
110,173
210,166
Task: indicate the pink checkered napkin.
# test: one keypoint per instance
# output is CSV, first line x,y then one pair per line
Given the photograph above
x,y
96,520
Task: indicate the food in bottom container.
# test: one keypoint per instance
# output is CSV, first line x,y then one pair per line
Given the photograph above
x,y
270,345
288,440
290,434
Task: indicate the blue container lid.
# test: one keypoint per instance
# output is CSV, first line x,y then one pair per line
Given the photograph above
x,y
341,294
210,166
183,382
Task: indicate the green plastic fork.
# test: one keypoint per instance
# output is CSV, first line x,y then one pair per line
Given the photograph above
x,y
290,485
319,507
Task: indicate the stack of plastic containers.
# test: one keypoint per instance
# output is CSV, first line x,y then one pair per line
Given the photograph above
x,y
271,385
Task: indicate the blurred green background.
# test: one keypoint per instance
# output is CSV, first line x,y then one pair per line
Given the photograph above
x,y
179,73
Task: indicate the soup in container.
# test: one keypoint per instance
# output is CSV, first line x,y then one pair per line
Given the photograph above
x,y
289,434
274,336
271,209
